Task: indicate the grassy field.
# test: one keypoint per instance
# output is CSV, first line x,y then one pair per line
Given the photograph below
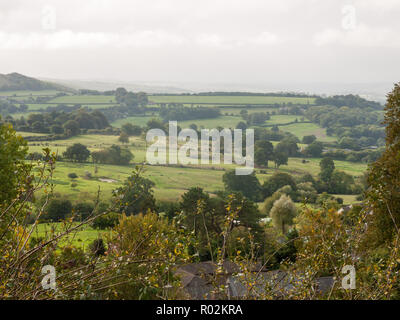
x,y
298,129
170,182
303,129
30,134
236,111
226,121
223,121
42,106
139,121
81,238
282,118
84,99
93,142
296,166
229,99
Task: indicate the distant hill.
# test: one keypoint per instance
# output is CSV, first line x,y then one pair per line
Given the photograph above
x,y
149,88
15,81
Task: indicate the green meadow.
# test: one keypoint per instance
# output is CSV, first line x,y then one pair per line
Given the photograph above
x,y
170,182
79,238
84,99
245,100
304,129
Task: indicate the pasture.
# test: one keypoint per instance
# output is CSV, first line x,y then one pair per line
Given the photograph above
x,y
232,100
170,182
80,238
83,99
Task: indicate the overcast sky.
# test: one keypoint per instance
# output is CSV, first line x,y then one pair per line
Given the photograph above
x,y
235,41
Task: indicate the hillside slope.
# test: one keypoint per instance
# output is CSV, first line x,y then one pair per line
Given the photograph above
x,y
15,81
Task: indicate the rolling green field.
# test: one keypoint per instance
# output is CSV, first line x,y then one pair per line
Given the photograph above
x,y
30,134
170,182
223,121
84,99
32,107
236,111
81,238
304,129
298,129
138,121
282,118
230,99
229,116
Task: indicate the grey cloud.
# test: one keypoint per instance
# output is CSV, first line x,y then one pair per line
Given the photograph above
x,y
257,41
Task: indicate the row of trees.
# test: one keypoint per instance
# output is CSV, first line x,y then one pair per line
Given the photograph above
x,y
112,155
307,188
254,119
264,151
350,100
7,107
62,123
182,113
355,127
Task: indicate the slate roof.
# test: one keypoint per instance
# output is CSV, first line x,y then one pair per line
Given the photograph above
x,y
197,281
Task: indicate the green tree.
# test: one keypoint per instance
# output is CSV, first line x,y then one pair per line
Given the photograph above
x,y
264,151
309,139
56,129
269,202
205,217
314,149
77,152
341,183
106,221
241,125
155,124
14,172
123,138
282,213
131,130
120,93
113,155
71,128
327,167
158,246
384,179
277,181
280,158
83,210
201,218
288,146
58,209
248,185
136,195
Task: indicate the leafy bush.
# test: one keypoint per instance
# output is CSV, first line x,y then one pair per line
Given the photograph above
x,y
72,175
97,247
106,221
